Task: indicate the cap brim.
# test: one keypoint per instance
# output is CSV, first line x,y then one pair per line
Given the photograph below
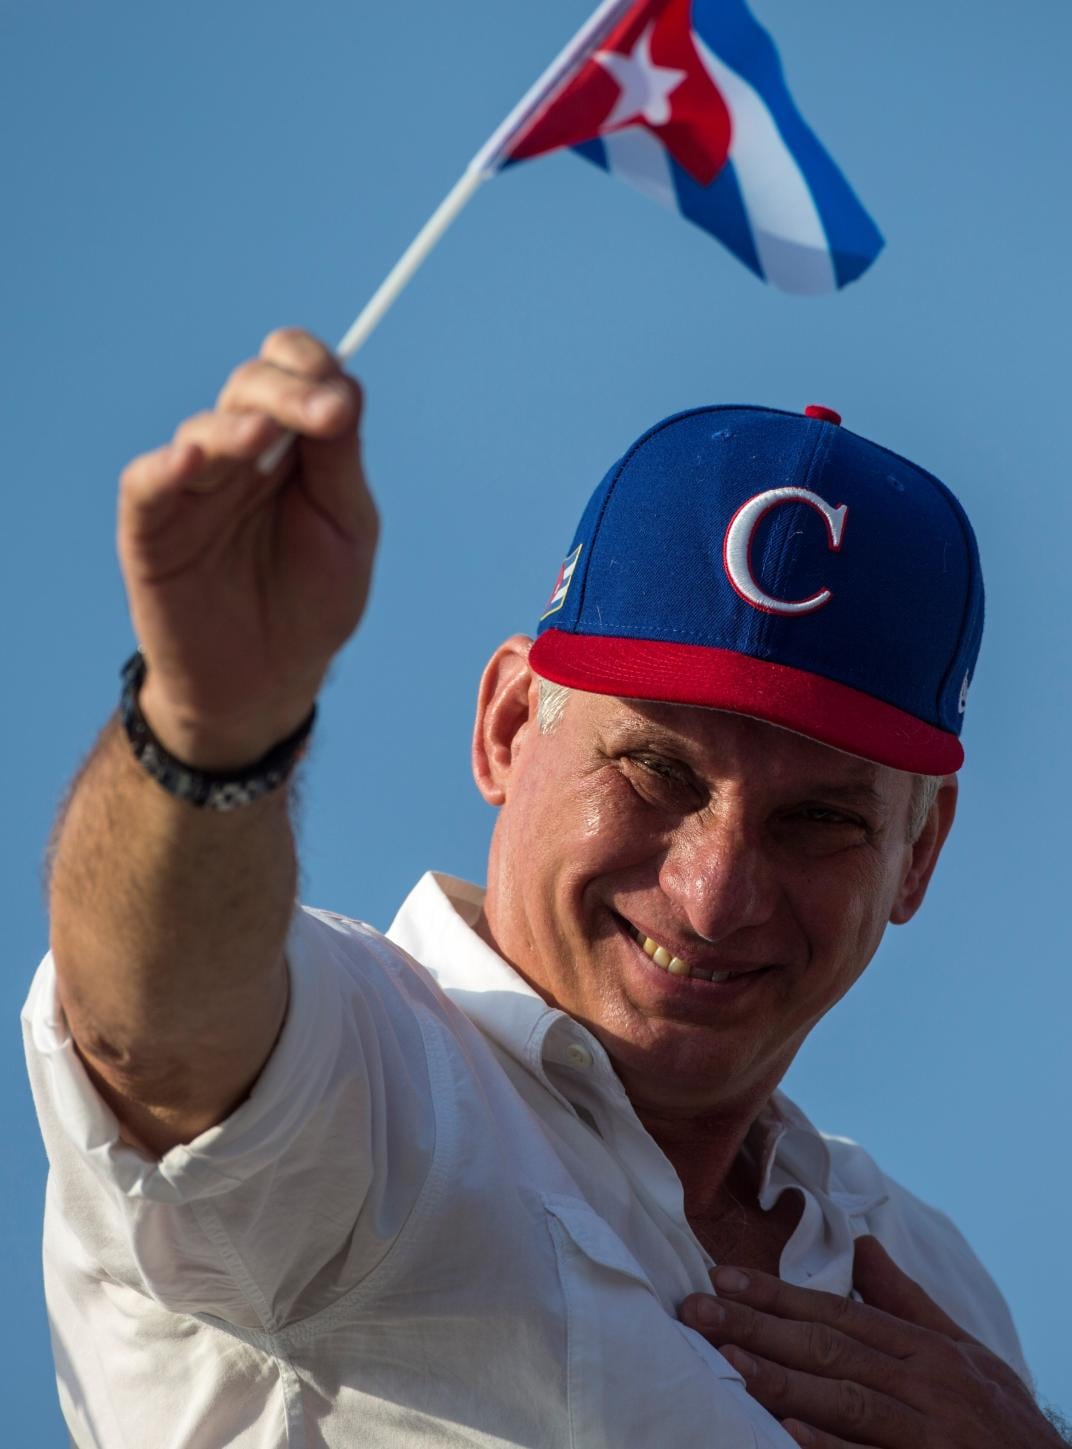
x,y
808,704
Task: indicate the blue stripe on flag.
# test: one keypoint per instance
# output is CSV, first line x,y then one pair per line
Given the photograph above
x,y
733,33
718,208
594,151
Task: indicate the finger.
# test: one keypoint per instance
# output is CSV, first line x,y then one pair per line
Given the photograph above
x,y
812,1347
885,1286
226,441
871,1326
151,484
811,1438
296,350
235,436
314,408
837,1406
333,477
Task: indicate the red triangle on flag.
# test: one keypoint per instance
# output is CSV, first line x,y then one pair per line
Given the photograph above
x,y
647,73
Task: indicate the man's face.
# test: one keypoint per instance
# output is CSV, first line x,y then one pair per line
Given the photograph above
x,y
734,846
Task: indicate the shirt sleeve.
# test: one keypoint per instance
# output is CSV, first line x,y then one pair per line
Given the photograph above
x,y
287,1204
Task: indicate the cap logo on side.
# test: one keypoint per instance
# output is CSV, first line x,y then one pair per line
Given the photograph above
x,y
562,583
737,547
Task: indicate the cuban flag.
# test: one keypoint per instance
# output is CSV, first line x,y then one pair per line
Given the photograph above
x,y
686,99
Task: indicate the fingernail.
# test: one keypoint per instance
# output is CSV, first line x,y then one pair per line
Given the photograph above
x,y
257,423
709,1312
324,404
731,1280
744,1365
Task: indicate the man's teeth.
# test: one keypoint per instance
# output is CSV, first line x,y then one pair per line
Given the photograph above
x,y
674,964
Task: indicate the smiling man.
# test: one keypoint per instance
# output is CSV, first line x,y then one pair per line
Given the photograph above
x,y
469,1183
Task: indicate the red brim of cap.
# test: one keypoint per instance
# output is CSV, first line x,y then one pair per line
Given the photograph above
x,y
793,699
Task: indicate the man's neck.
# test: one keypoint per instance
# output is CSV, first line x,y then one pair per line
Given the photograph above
x,y
706,1153
721,1168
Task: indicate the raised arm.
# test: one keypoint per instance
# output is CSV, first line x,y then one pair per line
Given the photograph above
x,y
168,920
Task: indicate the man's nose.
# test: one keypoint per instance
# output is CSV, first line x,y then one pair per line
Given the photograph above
x,y
721,880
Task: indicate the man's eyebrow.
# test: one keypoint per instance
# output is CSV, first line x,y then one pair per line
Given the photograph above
x,y
637,725
648,732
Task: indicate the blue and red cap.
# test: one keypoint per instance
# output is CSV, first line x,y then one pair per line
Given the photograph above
x,y
781,567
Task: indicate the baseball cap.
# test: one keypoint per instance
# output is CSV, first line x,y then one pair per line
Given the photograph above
x,y
780,566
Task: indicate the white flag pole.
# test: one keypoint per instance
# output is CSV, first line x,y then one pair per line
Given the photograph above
x,y
480,168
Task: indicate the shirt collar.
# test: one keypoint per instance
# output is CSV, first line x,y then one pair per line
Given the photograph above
x,y
435,925
785,1143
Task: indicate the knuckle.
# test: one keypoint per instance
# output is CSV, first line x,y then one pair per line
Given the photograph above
x,y
194,426
842,1312
130,477
949,1354
283,338
774,1381
852,1404
736,1325
823,1345
294,348
243,376
946,1362
138,475
982,1364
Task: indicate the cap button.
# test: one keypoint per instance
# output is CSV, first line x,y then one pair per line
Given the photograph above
x,y
825,415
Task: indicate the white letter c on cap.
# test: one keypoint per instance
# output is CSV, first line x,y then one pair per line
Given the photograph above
x,y
737,549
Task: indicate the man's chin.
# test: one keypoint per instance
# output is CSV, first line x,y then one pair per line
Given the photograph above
x,y
663,1064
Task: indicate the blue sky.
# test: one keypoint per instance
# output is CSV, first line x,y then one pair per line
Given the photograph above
x,y
180,179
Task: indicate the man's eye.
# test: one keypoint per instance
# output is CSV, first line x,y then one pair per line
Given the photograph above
x,y
661,779
827,815
657,767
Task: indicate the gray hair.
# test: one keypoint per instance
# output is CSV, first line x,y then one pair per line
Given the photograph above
x,y
552,701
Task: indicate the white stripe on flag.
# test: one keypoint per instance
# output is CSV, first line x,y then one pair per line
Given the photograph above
x,y
786,227
636,156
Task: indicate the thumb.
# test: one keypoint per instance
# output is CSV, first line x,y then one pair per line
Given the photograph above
x,y
882,1284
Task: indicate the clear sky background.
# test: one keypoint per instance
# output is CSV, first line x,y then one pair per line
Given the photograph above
x,y
179,179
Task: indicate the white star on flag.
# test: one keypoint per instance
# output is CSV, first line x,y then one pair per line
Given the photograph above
x,y
646,88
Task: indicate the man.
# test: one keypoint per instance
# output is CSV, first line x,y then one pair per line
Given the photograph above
x,y
468,1185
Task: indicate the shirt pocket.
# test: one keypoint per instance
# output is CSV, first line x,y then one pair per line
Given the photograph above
x,y
637,1378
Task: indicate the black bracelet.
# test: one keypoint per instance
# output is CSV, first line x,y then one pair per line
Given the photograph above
x,y
207,789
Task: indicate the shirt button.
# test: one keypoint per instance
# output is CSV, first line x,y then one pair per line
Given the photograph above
x,y
578,1055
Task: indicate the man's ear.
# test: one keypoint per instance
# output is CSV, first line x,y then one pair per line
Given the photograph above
x,y
925,853
505,708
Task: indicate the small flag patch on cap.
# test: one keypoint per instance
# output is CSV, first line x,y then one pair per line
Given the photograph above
x,y
562,583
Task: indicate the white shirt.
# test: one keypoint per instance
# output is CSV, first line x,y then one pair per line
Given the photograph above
x,y
436,1220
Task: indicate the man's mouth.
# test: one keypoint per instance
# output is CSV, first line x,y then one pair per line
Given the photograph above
x,y
674,966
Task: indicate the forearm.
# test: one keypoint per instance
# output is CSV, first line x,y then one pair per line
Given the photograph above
x,y
169,920
168,924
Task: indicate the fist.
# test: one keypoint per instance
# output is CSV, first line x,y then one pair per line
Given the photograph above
x,y
244,584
